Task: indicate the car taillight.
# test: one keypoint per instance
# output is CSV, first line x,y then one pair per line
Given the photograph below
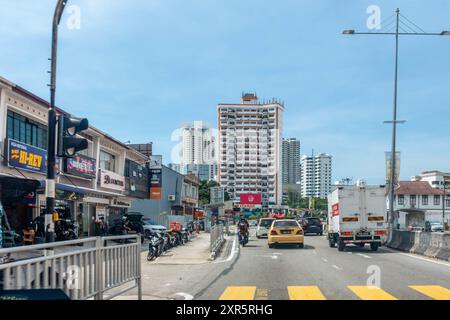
x,y
300,231
347,234
273,233
379,232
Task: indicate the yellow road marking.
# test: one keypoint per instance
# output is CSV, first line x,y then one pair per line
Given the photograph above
x,y
238,293
371,293
305,293
435,292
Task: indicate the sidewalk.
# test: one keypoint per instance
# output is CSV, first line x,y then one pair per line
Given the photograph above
x,y
193,252
178,271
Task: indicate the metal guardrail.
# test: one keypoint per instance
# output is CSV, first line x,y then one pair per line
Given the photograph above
x,y
216,237
83,269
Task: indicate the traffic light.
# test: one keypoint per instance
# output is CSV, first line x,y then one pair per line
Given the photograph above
x,y
68,143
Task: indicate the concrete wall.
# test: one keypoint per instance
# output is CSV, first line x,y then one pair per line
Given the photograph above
x,y
430,244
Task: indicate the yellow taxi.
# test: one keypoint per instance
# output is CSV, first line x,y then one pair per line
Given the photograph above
x,y
285,231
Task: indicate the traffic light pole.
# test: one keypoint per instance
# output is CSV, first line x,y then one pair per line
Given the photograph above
x,y
50,186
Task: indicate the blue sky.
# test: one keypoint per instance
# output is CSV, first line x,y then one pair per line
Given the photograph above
x,y
138,69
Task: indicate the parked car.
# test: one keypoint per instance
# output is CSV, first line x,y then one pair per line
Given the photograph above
x,y
263,227
433,226
151,227
313,225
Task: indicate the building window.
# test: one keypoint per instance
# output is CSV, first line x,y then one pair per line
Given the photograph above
x,y
424,200
107,161
437,200
412,199
26,131
401,200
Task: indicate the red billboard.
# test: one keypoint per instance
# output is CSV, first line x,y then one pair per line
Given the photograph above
x,y
251,199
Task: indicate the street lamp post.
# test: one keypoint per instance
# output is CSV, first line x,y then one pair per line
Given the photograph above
x,y
50,186
443,206
400,27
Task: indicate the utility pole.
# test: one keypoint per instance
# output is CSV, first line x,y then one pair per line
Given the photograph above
x,y
50,185
443,206
403,27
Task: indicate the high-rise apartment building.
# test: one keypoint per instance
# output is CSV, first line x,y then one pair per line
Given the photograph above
x,y
198,154
316,175
198,144
250,148
291,161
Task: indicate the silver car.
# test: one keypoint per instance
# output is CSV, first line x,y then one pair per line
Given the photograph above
x,y
263,227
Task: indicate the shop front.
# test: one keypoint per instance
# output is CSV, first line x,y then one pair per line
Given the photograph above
x,y
18,199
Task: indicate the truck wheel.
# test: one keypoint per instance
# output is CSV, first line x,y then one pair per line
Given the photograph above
x,y
301,245
374,246
331,243
341,245
271,245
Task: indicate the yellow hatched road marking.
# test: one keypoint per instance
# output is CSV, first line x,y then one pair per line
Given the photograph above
x,y
371,293
238,293
435,292
305,293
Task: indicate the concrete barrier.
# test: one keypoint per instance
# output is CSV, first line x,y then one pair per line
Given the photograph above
x,y
434,245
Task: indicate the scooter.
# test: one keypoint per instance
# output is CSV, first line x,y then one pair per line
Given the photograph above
x,y
243,238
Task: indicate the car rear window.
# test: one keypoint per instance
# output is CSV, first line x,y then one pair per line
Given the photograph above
x,y
266,222
285,224
314,221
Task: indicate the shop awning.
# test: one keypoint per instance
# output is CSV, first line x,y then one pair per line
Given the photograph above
x,y
64,187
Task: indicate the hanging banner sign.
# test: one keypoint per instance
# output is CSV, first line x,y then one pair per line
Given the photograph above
x,y
388,167
26,157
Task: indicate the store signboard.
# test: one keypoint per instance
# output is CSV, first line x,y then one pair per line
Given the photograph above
x,y
81,166
26,157
155,162
155,184
217,195
111,180
100,212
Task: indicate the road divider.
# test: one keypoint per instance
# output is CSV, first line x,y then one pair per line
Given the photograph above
x,y
430,244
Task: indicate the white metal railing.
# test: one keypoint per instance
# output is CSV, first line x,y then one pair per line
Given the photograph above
x,y
216,237
83,269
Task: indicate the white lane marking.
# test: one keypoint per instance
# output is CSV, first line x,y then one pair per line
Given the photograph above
x,y
273,257
364,255
324,259
314,252
349,252
185,296
411,255
234,250
336,267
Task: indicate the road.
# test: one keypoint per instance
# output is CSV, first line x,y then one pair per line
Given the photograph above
x,y
320,272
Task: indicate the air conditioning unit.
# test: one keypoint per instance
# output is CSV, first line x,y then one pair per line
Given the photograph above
x,y
172,198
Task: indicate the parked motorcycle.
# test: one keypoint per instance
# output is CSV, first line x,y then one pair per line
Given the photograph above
x,y
65,230
155,246
185,235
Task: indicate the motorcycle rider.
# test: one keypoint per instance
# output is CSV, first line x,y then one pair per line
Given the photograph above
x,y
243,227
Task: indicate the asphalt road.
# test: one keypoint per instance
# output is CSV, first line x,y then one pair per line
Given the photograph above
x,y
320,272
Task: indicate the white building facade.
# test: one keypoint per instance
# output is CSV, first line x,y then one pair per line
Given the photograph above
x,y
250,148
316,174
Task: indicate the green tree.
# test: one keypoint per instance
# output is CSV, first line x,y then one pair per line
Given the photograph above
x,y
204,194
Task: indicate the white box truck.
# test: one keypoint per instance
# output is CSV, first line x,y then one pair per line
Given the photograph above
x,y
357,215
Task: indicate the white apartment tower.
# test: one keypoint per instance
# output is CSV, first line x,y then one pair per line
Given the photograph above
x,y
316,175
198,152
250,148
291,161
